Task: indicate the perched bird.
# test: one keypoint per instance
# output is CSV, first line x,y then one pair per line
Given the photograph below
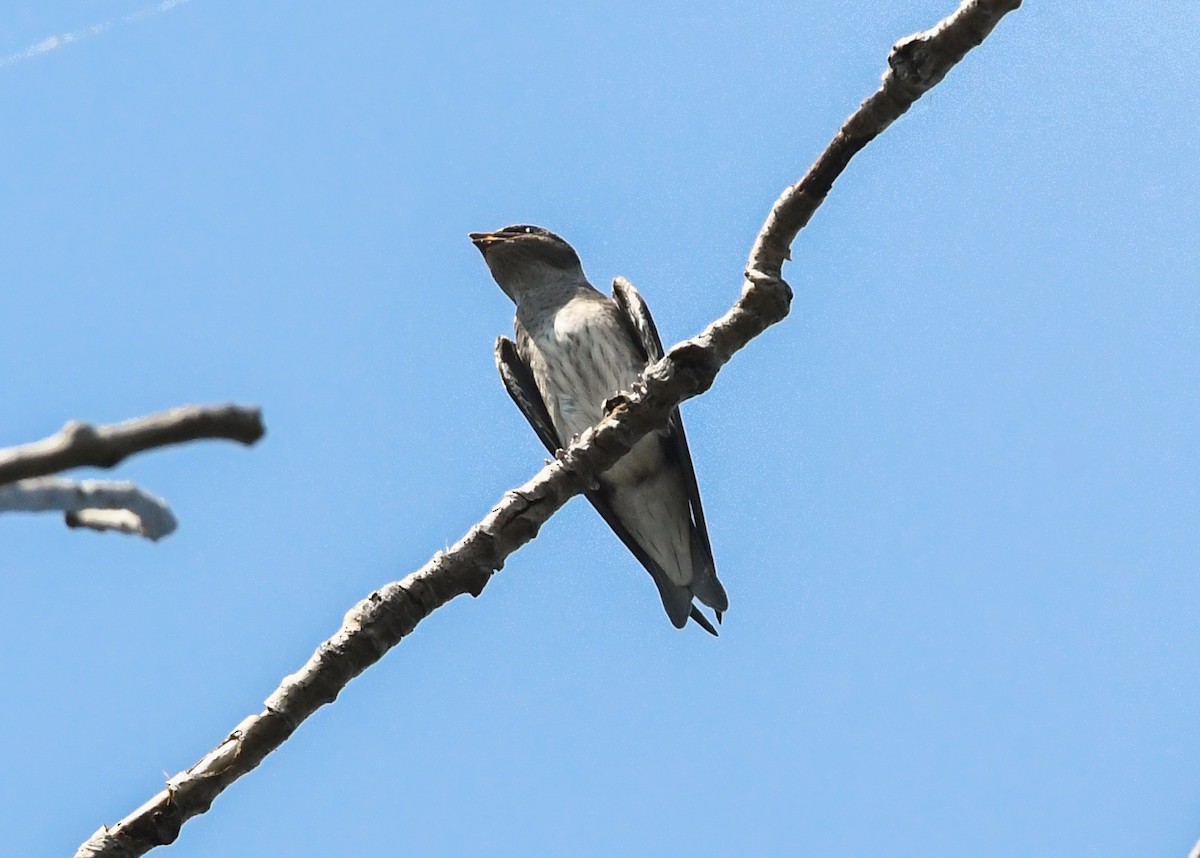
x,y
576,348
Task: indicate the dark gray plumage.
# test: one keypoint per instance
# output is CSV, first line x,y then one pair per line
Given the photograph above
x,y
575,348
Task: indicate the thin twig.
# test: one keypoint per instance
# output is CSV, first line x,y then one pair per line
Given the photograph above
x,y
83,445
378,623
117,520
915,65
94,504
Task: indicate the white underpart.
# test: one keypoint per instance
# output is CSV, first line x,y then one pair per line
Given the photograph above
x,y
593,358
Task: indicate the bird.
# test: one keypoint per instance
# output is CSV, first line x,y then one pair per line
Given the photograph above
x,y
576,348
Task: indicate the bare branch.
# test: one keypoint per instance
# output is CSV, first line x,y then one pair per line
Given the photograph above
x,y
94,504
915,65
118,520
380,621
81,444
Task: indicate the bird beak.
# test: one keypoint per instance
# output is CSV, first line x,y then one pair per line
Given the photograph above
x,y
484,240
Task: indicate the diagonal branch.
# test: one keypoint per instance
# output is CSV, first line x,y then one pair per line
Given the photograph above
x,y
81,444
380,621
94,504
916,65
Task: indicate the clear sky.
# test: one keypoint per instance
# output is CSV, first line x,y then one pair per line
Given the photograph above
x,y
953,497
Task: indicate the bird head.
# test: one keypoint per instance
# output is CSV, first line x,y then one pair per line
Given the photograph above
x,y
528,259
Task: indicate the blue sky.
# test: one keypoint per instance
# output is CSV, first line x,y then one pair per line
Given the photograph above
x,y
953,497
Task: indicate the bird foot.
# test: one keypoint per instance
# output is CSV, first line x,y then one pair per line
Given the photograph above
x,y
560,455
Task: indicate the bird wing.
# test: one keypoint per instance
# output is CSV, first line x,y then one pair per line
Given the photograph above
x,y
635,312
519,382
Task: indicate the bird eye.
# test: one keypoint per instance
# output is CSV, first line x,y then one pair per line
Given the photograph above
x,y
522,229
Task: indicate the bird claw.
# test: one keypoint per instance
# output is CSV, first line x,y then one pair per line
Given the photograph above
x,y
560,455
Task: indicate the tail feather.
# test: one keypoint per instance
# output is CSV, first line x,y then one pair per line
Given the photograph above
x,y
705,585
702,621
676,600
